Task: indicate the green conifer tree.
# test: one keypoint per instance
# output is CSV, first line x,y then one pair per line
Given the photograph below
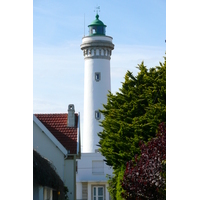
x,y
131,115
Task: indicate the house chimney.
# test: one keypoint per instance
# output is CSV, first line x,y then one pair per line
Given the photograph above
x,y
71,116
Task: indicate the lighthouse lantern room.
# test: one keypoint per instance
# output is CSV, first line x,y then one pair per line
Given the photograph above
x,y
97,27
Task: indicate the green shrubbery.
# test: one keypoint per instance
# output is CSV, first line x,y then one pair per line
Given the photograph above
x,y
130,116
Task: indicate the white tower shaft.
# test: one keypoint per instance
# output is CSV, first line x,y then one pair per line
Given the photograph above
x,y
97,52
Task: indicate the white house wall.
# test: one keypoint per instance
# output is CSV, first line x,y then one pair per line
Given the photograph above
x,y
85,168
70,179
47,149
85,175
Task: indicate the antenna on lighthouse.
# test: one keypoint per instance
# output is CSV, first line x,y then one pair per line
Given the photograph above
x,y
84,24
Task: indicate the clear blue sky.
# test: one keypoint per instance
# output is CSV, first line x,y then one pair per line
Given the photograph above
x,y
138,29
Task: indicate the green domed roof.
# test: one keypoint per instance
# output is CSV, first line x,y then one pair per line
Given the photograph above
x,y
97,22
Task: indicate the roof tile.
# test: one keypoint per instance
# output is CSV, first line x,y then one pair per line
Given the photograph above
x,y
57,125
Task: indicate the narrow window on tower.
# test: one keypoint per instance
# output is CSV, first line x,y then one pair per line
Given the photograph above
x,y
97,115
97,76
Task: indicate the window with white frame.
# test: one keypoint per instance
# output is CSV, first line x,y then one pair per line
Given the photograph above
x,y
98,193
97,76
97,167
47,193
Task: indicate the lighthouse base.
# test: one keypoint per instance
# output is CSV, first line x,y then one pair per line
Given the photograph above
x,y
91,180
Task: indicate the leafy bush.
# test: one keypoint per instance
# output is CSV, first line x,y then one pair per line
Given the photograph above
x,y
147,178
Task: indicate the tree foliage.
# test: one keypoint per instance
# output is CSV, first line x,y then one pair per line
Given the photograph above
x,y
147,179
131,115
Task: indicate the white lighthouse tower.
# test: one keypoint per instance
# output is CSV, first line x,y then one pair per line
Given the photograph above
x,y
97,49
91,176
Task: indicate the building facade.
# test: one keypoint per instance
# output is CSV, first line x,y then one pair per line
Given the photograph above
x,y
56,137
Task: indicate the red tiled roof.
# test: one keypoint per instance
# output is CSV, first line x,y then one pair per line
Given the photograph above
x,y
57,125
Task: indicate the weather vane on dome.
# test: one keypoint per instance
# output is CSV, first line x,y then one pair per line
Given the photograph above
x,y
97,9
